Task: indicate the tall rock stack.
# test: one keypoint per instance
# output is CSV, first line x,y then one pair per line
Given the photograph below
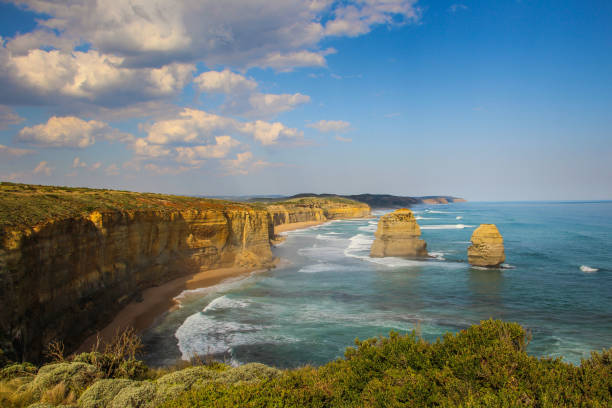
x,y
398,235
487,247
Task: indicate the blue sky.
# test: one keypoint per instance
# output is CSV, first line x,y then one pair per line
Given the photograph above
x,y
505,100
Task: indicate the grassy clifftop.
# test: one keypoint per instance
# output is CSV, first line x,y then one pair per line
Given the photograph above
x,y
483,366
27,205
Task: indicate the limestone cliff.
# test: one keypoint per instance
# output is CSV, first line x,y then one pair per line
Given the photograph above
x,y
316,209
66,277
487,247
398,235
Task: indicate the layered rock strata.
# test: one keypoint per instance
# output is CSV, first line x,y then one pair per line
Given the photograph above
x,y
487,247
64,278
304,210
398,235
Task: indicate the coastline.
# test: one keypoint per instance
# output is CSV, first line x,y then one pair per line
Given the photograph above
x,y
158,300
296,225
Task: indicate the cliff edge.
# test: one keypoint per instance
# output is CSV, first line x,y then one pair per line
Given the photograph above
x,y
398,235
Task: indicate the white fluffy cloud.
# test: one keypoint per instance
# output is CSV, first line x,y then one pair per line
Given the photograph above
x,y
43,168
194,155
11,151
224,82
242,97
330,125
194,137
239,165
69,131
8,117
264,105
78,163
358,17
191,126
195,126
276,33
269,133
50,76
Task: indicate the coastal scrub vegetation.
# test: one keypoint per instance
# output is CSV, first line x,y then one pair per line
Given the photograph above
x,y
28,205
482,366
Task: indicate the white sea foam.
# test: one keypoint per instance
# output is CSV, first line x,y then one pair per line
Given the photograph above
x,y
224,302
437,255
446,226
220,287
327,237
442,212
458,217
380,212
322,253
201,334
323,267
588,269
368,228
360,245
418,218
507,266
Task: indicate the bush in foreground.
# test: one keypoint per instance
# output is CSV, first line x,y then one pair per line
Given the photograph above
x,y
485,365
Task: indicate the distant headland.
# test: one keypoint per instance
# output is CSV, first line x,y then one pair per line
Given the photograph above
x,y
373,200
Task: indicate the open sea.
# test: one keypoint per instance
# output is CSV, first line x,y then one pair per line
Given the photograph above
x,y
556,282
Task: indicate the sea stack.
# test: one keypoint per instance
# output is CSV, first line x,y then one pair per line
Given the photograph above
x,y
487,247
398,235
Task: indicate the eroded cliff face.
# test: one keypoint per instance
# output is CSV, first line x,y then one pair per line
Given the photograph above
x,y
398,235
487,247
65,278
316,210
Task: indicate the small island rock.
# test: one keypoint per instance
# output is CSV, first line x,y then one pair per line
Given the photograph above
x,y
487,247
398,235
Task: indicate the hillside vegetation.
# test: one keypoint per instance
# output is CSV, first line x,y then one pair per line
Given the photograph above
x,y
28,205
483,366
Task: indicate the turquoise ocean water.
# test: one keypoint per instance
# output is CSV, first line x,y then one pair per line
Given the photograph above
x,y
557,282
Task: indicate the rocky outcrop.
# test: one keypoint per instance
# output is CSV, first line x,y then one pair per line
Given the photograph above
x,y
398,235
64,278
315,209
487,247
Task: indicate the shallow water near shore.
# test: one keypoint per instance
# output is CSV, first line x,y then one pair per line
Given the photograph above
x,y
557,283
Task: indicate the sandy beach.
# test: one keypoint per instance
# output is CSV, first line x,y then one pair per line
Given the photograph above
x,y
297,225
160,299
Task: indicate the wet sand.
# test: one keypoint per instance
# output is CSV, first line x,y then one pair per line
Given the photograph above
x,y
297,225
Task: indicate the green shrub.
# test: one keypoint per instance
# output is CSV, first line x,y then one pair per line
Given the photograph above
x,y
111,366
76,377
188,376
101,393
251,372
139,395
17,370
